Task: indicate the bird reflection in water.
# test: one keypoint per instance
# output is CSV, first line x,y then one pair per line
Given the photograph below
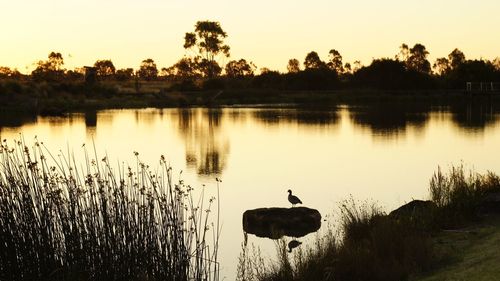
x,y
293,244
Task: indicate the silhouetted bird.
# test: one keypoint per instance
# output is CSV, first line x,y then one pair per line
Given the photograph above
x,y
293,199
293,244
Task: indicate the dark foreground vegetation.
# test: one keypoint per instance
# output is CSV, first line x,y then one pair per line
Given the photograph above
x,y
200,79
62,220
375,246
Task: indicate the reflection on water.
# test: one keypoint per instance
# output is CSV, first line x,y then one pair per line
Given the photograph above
x,y
304,117
390,119
10,120
474,116
207,146
206,140
293,244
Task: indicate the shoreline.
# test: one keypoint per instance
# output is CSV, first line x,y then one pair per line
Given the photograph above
x,y
63,102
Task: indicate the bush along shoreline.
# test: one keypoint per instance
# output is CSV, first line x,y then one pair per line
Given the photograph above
x,y
63,220
373,245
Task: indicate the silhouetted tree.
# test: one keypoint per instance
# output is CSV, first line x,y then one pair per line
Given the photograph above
x,y
335,61
391,74
239,68
148,70
312,61
207,41
356,66
124,74
472,71
185,68
347,67
210,69
50,69
456,58
418,59
404,53
293,66
268,79
56,61
441,66
104,68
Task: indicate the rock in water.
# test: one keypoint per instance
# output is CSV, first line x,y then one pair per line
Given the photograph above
x,y
275,223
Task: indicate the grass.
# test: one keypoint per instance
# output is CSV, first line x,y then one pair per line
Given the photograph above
x,y
475,253
375,246
63,220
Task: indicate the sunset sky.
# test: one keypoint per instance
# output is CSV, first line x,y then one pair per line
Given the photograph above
x,y
265,32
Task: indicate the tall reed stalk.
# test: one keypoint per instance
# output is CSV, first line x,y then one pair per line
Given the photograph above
x,y
64,220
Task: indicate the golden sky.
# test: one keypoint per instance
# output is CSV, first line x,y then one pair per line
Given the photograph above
x,y
267,32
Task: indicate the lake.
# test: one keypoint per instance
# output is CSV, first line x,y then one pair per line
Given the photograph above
x,y
378,152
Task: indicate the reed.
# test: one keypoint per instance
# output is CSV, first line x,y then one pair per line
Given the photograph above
x,y
63,220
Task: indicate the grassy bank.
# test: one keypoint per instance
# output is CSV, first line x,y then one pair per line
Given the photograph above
x,y
474,253
63,220
418,240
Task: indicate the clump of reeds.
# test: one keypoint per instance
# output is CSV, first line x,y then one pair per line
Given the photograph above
x,y
459,195
63,220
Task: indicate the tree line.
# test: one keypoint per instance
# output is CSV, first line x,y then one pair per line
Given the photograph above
x,y
200,68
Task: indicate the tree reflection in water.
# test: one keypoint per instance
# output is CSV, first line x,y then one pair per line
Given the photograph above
x,y
207,146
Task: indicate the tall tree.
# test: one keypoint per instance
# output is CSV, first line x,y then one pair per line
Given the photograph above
x,y
312,61
293,66
335,61
240,68
148,70
104,68
418,59
456,58
207,41
56,61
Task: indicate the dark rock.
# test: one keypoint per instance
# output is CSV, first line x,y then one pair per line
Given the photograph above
x,y
415,208
275,223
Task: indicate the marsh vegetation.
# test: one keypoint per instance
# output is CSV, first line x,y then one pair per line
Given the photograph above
x,y
66,220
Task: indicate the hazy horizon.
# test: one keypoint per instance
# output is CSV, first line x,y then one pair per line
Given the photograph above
x,y
266,33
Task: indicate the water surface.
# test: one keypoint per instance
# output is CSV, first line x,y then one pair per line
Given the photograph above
x,y
382,153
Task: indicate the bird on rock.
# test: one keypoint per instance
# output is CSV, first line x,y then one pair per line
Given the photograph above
x,y
293,199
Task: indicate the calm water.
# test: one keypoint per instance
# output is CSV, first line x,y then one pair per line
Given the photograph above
x,y
382,153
